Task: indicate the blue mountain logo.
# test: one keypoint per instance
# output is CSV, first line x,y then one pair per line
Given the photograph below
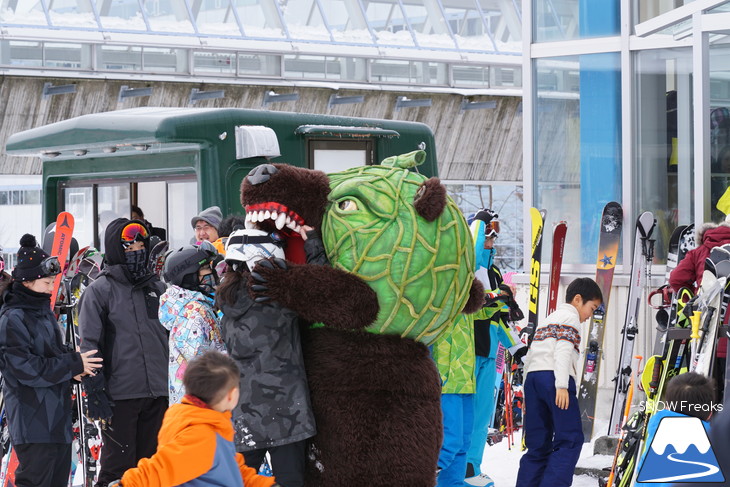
x,y
680,451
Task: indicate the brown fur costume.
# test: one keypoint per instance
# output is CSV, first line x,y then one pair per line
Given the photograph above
x,y
376,398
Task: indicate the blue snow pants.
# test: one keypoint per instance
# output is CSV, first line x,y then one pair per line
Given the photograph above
x,y
484,404
553,436
458,416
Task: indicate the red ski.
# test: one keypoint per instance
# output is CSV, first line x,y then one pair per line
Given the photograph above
x,y
556,264
61,245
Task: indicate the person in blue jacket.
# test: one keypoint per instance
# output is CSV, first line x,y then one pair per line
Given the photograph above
x,y
488,334
37,369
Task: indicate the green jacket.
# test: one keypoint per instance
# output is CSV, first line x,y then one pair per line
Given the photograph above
x,y
454,354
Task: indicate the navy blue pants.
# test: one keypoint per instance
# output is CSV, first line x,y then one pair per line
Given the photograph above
x,y
553,436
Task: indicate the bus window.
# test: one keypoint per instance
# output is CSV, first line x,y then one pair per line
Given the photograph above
x,y
151,198
338,155
79,201
113,201
182,205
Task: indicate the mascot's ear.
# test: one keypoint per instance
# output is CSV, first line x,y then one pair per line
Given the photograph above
x,y
476,298
430,199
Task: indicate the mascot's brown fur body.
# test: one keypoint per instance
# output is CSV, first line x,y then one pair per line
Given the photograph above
x,y
376,398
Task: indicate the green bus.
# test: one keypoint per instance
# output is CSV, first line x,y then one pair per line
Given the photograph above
x,y
173,162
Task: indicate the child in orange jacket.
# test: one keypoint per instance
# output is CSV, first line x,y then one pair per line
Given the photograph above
x,y
196,439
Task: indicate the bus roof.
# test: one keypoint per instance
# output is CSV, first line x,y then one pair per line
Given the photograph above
x,y
160,125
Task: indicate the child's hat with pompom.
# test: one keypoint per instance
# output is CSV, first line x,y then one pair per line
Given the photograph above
x,y
30,256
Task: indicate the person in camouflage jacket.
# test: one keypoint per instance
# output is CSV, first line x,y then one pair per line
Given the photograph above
x,y
274,412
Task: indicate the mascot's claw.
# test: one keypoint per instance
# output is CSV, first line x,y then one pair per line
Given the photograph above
x,y
258,277
259,288
262,299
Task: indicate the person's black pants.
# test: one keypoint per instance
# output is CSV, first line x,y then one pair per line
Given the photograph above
x,y
131,436
287,462
43,464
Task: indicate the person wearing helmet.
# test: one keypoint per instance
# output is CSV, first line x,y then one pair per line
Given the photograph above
x,y
274,413
187,310
490,329
37,368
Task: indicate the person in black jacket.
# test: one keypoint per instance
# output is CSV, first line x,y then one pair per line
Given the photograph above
x,y
37,369
118,317
274,412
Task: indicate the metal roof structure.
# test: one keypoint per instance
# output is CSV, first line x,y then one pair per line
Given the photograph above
x,y
448,43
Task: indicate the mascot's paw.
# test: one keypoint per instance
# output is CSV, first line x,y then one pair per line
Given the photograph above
x,y
265,278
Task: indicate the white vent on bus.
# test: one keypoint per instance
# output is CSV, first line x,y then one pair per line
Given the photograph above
x,y
256,141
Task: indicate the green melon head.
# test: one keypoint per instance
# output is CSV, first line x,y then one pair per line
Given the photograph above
x,y
403,235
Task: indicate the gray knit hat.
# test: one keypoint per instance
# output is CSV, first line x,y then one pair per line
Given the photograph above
x,y
211,215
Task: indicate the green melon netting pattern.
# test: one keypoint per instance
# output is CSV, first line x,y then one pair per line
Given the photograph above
x,y
421,271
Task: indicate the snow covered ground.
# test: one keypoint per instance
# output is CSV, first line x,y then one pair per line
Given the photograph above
x,y
502,464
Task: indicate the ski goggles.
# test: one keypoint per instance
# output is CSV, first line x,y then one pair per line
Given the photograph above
x,y
491,229
134,232
50,266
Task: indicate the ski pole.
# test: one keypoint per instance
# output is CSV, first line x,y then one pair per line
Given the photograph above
x,y
625,418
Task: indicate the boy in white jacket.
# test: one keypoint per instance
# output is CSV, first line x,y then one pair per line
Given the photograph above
x,y
553,432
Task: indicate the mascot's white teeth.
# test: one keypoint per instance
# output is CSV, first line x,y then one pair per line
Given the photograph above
x,y
280,221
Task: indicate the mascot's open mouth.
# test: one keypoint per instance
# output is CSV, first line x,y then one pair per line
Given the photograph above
x,y
271,215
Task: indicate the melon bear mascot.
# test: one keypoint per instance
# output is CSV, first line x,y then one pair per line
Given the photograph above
x,y
400,269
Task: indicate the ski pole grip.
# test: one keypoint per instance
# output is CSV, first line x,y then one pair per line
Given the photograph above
x,y
655,377
695,321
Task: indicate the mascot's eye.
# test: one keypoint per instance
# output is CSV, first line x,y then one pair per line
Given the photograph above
x,y
347,205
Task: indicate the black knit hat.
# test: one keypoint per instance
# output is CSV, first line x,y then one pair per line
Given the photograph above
x,y
33,261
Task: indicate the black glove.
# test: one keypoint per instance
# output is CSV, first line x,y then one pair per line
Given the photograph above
x,y
515,313
485,215
98,402
519,354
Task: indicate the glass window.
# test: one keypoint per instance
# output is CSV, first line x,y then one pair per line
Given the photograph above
x,y
27,13
217,17
577,151
504,198
260,18
346,21
214,62
339,155
664,155
389,24
25,53
124,58
182,205
559,20
429,24
719,121
72,13
80,203
70,56
152,200
415,72
304,20
168,16
113,202
259,65
4,197
121,16
33,197
164,59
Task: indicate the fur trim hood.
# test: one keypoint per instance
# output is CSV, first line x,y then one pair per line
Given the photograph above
x,y
710,227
